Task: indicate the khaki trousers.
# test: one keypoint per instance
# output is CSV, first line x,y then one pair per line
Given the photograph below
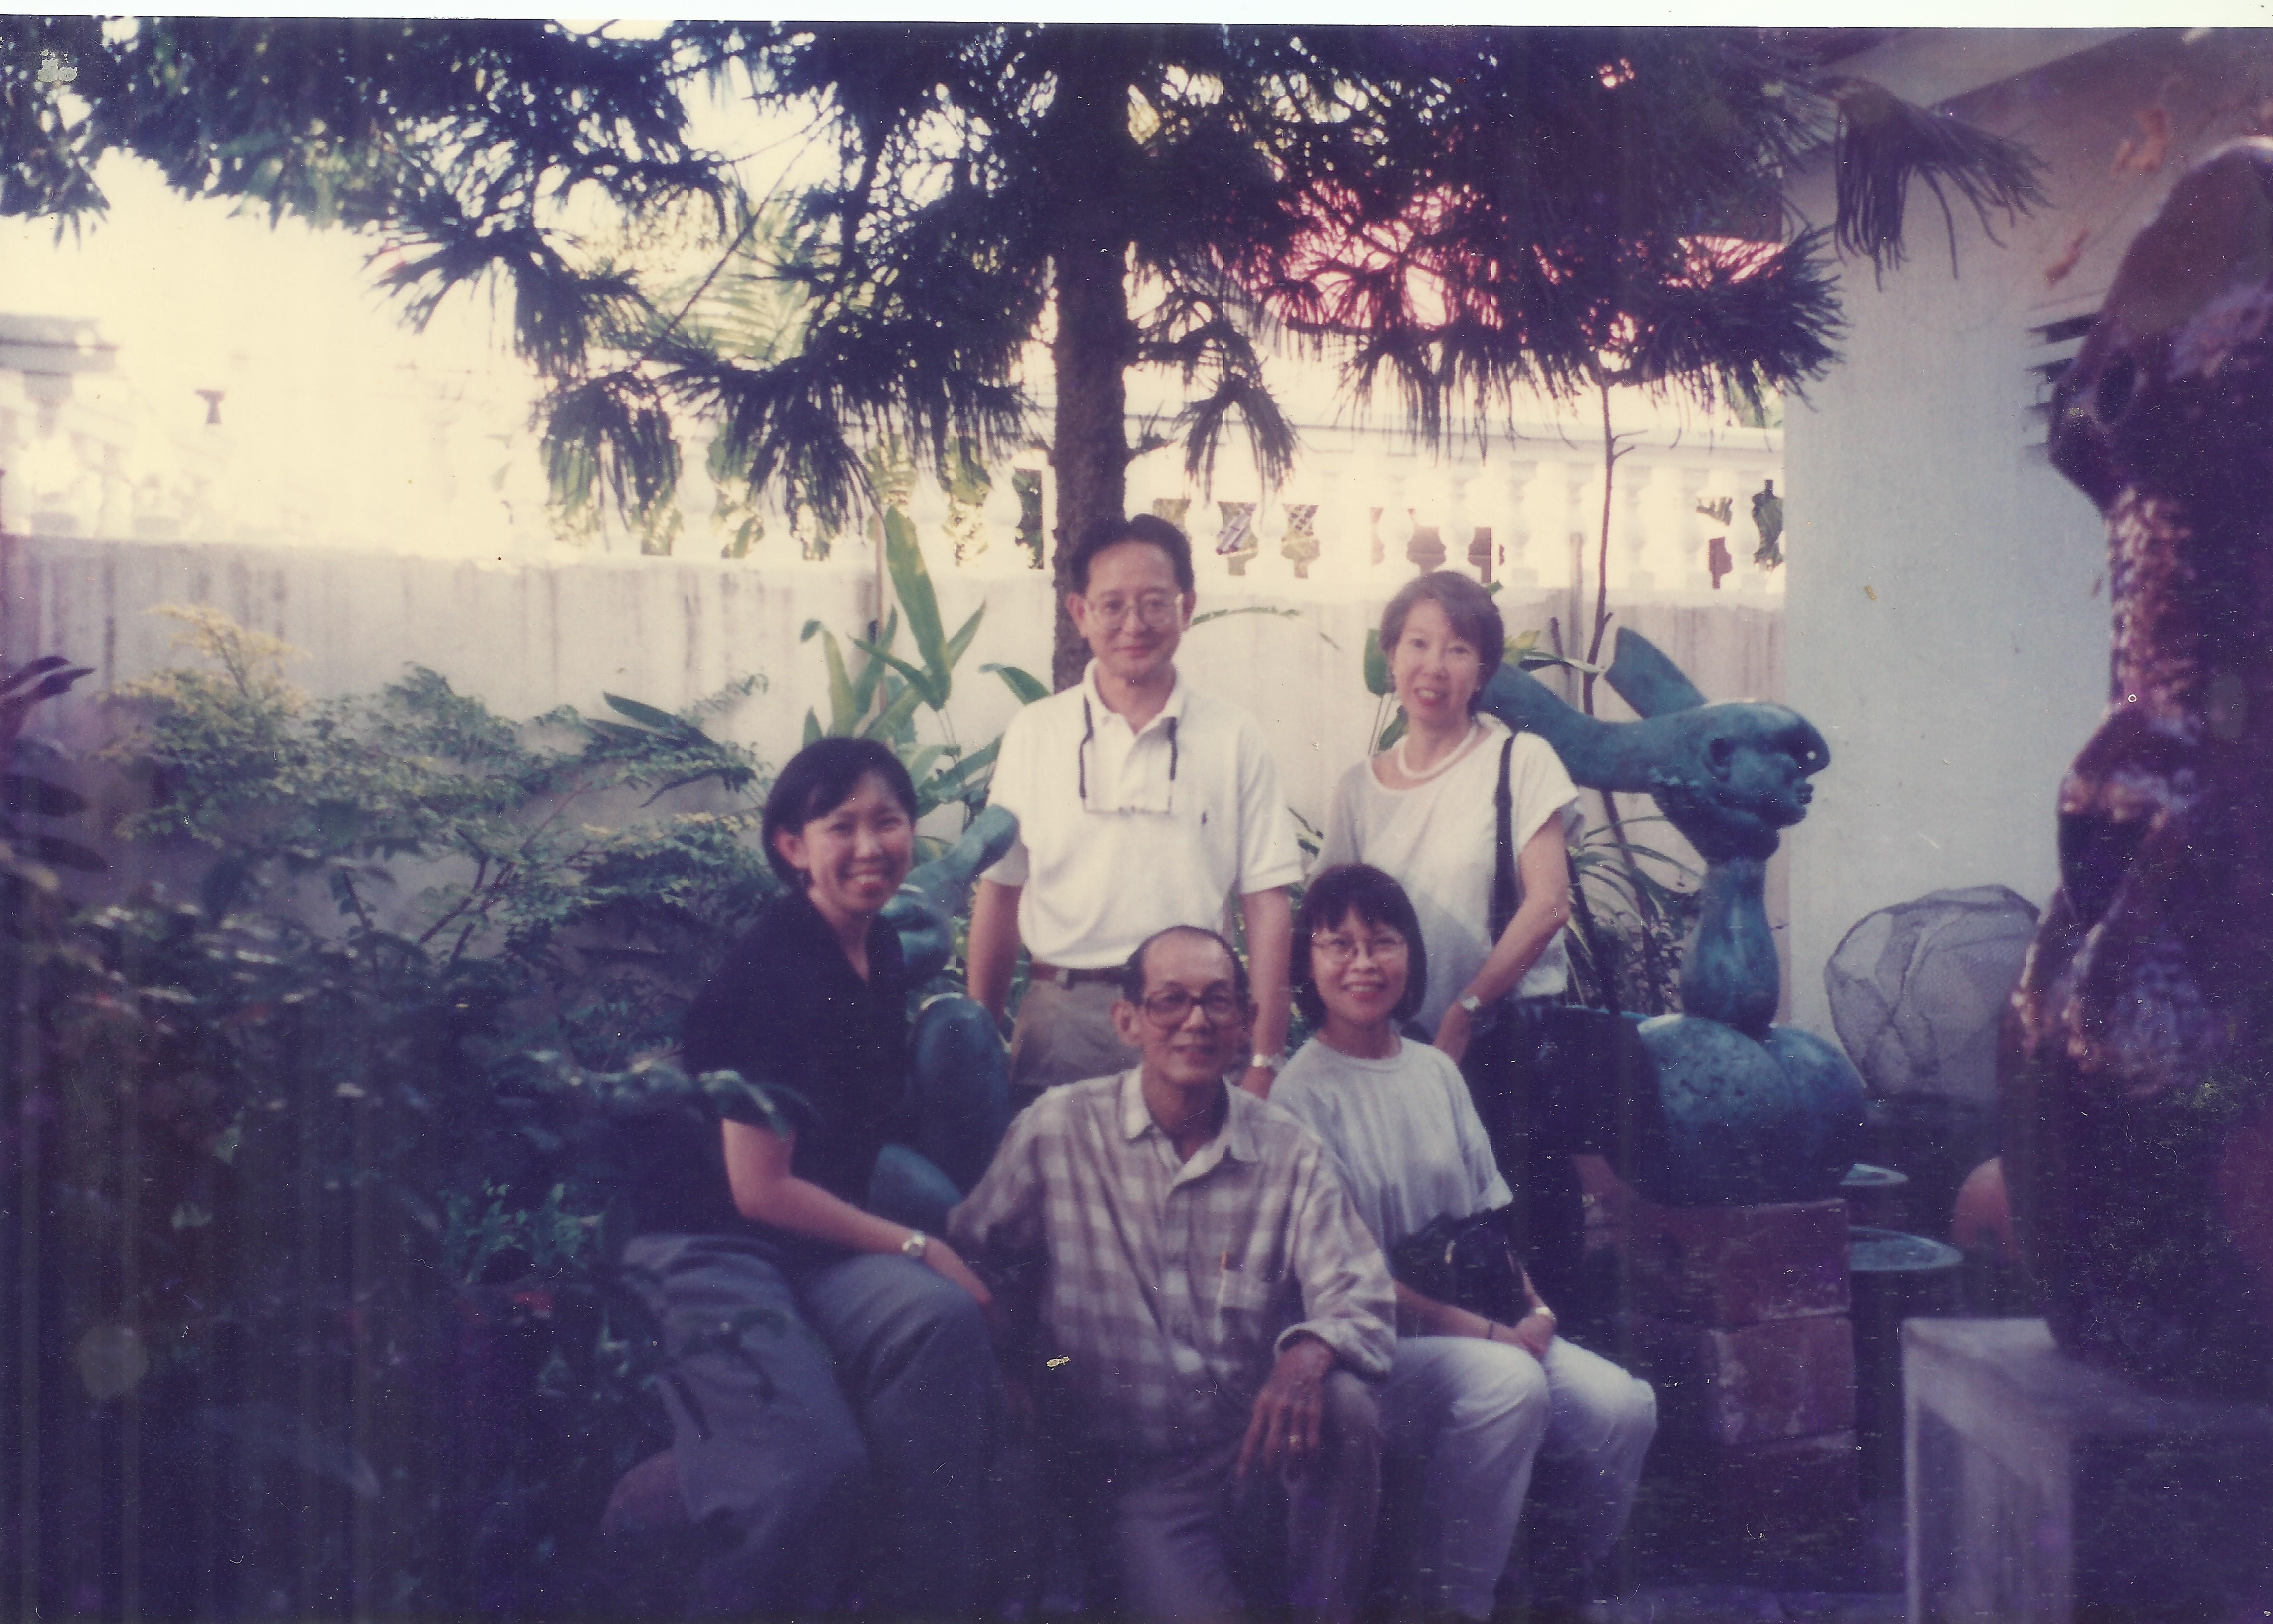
x,y
1065,1035
1190,1536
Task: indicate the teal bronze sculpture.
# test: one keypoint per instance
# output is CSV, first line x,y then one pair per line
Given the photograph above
x,y
1754,1111
958,1079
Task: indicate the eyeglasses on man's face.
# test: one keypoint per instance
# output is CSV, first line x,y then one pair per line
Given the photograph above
x,y
1157,609
1175,1006
1341,946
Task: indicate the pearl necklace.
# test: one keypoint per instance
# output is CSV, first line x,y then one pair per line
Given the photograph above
x,y
1405,762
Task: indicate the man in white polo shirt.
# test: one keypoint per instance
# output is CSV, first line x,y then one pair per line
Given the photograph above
x,y
1141,805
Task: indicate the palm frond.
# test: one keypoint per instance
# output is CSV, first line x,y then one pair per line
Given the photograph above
x,y
1884,143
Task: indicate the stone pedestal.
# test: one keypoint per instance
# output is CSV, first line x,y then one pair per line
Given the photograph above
x,y
1738,1316
2042,1490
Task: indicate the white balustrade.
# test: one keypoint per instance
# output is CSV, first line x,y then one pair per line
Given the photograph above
x,y
1633,534
1529,513
1515,567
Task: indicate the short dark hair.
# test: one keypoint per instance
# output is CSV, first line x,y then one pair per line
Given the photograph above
x,y
1377,900
1146,528
1132,972
821,778
1474,617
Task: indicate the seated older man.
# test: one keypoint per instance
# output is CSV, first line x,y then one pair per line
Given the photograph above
x,y
1211,1313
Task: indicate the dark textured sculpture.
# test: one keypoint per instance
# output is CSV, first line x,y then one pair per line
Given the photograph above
x,y
1754,1111
2137,1085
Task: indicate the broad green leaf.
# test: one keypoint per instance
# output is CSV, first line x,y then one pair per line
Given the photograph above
x,y
1394,731
1025,685
919,764
957,646
1376,666
662,720
951,783
1535,659
864,686
21,792
845,702
65,854
896,715
916,676
904,556
812,725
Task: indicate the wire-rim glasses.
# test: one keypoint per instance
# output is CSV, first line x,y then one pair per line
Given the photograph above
x,y
1157,609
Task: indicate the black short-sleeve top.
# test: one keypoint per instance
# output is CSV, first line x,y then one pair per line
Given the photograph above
x,y
787,1009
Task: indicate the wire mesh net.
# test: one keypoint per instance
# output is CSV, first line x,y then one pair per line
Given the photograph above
x,y
1917,991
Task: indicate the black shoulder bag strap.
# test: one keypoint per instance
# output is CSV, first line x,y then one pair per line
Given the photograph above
x,y
1502,896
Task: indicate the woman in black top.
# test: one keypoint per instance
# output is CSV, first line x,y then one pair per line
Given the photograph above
x,y
830,1368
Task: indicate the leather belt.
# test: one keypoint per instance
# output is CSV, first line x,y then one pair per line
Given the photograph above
x,y
1071,978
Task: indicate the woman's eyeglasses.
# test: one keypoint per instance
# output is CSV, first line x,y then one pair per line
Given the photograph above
x,y
1336,948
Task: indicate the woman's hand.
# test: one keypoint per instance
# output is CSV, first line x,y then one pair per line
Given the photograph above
x,y
942,1257
1453,1032
1533,1331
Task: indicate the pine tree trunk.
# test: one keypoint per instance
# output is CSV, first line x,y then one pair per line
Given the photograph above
x,y
1096,340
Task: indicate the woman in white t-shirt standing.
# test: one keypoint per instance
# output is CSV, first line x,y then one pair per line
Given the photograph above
x,y
1424,811
1470,1402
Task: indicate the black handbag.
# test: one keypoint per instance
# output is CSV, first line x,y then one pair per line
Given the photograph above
x,y
1469,1262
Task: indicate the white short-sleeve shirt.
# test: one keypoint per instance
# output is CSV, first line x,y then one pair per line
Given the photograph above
x,y
1402,1133
1124,833
1438,840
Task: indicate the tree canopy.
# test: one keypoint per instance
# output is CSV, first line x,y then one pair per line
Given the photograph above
x,y
1453,214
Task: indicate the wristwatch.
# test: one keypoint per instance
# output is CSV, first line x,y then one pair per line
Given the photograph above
x,y
1268,1062
914,1245
1470,1002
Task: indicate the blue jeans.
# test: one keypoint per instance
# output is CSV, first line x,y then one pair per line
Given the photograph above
x,y
811,1404
962,1096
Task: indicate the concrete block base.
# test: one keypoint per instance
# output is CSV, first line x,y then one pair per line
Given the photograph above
x,y
1727,1266
1752,1383
2042,1490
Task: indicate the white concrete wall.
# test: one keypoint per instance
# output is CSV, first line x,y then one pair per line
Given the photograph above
x,y
1948,605
524,638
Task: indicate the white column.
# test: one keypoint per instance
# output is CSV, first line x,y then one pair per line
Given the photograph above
x,y
1696,566
1584,509
1515,513
1633,532
998,524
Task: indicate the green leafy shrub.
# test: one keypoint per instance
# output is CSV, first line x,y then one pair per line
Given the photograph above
x,y
323,1169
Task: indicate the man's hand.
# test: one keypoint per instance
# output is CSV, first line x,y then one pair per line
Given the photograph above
x,y
1290,1410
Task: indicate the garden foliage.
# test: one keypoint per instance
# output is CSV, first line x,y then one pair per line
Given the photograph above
x,y
317,1165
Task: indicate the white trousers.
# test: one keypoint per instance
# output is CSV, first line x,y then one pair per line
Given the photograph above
x,y
1474,1415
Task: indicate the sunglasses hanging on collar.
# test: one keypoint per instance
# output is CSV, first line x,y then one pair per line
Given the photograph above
x,y
1081,761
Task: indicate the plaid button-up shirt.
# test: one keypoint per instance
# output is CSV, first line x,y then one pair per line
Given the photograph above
x,y
1166,1289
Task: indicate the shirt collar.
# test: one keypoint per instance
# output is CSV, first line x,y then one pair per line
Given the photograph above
x,y
1100,710
883,941
1236,1135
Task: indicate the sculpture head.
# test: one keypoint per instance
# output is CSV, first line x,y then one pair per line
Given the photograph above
x,y
2138,1088
1740,777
